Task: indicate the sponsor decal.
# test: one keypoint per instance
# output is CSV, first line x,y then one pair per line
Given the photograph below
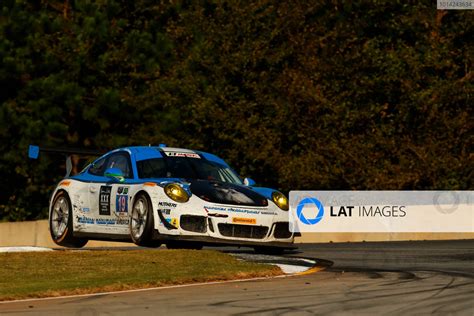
x,y
105,221
86,209
121,203
102,221
242,220
122,190
165,211
268,213
213,208
166,204
172,221
123,221
238,210
104,200
85,220
178,154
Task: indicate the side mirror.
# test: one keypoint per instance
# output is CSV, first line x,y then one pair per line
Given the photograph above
x,y
114,174
249,182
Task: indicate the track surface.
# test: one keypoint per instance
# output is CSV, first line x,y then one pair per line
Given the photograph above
x,y
425,277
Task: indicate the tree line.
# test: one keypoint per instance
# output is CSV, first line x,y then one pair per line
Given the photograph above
x,y
366,95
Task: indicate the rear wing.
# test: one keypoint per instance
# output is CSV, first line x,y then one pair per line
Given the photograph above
x,y
34,152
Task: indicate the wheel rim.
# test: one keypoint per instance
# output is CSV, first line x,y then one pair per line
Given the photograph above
x,y
139,217
60,217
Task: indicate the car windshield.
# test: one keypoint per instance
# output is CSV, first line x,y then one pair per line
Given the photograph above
x,y
188,168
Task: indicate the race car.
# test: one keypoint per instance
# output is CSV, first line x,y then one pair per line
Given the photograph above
x,y
154,195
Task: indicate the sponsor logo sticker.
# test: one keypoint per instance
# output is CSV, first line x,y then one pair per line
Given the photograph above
x,y
85,220
165,211
121,203
238,210
104,200
167,204
178,154
173,221
242,220
102,221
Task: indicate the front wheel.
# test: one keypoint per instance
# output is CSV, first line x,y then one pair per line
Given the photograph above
x,y
142,223
60,222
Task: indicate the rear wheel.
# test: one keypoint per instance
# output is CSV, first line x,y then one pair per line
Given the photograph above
x,y
142,222
60,222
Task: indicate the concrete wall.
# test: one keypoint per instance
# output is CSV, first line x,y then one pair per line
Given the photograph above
x,y
358,237
36,233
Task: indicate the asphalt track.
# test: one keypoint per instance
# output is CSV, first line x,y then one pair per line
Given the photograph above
x,y
393,278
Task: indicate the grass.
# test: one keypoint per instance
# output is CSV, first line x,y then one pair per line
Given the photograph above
x,y
45,274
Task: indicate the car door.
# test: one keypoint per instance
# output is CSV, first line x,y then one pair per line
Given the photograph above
x,y
109,199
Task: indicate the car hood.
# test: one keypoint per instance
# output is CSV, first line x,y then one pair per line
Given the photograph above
x,y
226,193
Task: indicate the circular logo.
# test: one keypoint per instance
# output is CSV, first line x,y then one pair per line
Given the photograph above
x,y
310,221
446,202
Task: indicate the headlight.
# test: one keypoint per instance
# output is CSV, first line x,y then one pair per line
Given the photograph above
x,y
280,200
176,193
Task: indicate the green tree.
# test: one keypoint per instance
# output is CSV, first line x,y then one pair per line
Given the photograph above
x,y
298,94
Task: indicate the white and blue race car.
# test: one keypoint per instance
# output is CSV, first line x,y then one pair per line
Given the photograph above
x,y
163,195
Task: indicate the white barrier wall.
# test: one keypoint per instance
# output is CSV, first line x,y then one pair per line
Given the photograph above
x,y
360,237
36,233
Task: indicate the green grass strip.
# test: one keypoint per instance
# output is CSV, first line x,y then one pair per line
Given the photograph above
x,y
44,274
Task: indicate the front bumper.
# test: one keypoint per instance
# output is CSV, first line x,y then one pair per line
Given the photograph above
x,y
226,231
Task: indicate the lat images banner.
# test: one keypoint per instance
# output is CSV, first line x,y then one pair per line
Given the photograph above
x,y
382,211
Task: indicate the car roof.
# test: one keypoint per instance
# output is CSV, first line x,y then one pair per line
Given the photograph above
x,y
150,152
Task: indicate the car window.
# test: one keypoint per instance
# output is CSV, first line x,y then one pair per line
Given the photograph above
x,y
151,168
187,168
121,161
98,167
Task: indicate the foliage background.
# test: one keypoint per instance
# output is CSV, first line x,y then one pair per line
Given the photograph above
x,y
298,95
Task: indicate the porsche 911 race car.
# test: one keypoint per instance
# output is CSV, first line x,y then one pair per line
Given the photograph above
x,y
163,195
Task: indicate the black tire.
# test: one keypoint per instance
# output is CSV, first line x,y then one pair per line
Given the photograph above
x,y
60,222
177,244
142,222
264,250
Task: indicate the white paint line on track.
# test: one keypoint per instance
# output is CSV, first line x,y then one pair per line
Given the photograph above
x,y
291,269
289,265
24,249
